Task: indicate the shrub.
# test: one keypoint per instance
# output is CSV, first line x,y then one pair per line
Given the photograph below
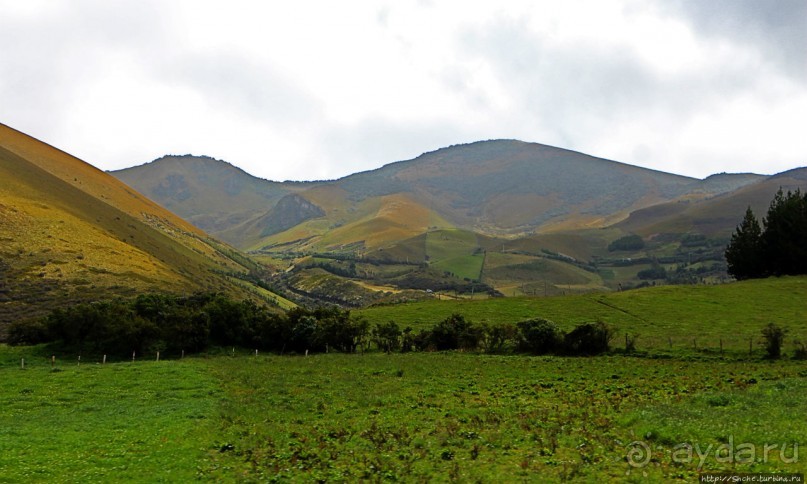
x,y
800,353
588,339
774,337
423,340
337,329
495,338
539,336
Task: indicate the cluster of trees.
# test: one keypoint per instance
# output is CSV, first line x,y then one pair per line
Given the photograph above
x,y
630,242
191,324
158,322
777,248
534,336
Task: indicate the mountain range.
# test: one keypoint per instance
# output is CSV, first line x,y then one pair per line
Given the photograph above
x,y
505,216
499,188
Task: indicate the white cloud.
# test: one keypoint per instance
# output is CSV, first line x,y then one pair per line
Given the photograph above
x,y
318,89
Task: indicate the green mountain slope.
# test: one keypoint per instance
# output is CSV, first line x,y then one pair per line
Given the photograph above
x,y
70,232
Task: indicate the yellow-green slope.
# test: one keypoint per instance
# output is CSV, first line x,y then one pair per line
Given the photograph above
x,y
70,232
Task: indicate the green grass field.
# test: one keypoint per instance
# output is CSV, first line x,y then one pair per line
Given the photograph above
x,y
410,417
693,318
657,416
114,422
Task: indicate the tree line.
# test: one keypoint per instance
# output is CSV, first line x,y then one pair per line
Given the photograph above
x,y
777,247
188,324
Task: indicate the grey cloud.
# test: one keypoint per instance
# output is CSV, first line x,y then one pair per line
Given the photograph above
x,y
573,88
777,28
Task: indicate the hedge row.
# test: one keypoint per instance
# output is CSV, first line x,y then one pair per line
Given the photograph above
x,y
191,324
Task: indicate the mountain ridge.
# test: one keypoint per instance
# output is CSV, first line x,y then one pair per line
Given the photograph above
x,y
499,187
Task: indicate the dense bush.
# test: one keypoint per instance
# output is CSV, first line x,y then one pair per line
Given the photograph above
x,y
588,339
164,322
774,337
28,332
539,336
497,338
656,271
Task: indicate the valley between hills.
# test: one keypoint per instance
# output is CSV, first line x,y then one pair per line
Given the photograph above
x,y
492,218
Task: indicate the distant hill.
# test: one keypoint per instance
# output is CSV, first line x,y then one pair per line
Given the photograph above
x,y
211,194
716,216
502,216
501,187
70,232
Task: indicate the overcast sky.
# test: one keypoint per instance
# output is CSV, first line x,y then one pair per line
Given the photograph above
x,y
305,90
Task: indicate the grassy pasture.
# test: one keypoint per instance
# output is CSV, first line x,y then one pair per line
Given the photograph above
x,y
113,422
432,416
410,417
455,251
694,318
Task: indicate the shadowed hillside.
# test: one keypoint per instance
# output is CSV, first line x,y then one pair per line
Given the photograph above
x,y
716,216
70,232
211,194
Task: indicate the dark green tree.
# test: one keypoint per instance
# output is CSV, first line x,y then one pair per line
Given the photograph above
x,y
784,241
387,336
455,332
744,252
